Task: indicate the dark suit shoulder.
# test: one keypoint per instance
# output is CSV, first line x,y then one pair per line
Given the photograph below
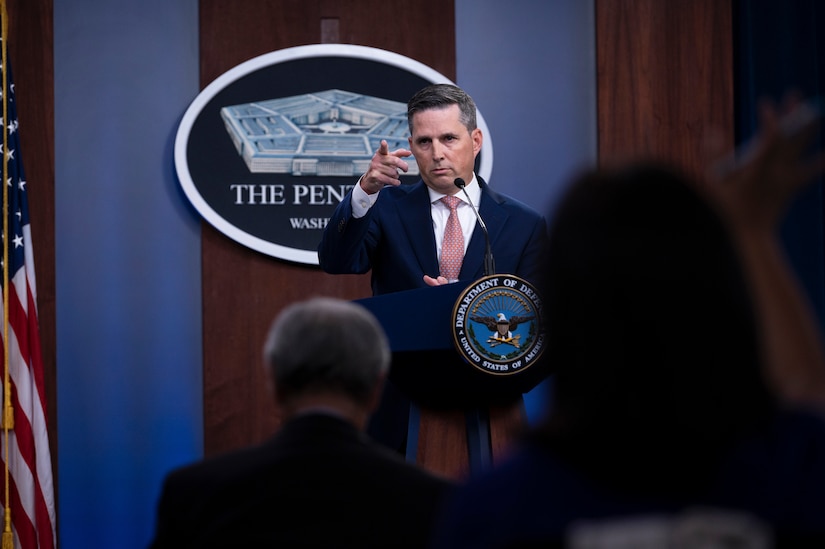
x,y
402,192
314,482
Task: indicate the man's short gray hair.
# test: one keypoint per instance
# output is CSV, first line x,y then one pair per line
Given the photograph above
x,y
441,96
326,344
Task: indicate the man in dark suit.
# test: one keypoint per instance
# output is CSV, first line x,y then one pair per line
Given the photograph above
x,y
397,230
319,482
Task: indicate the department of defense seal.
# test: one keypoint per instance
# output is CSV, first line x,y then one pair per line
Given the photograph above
x,y
497,324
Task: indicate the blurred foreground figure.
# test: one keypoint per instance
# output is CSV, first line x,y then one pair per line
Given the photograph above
x,y
689,394
319,482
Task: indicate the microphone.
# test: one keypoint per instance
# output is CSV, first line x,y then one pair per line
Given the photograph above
x,y
489,262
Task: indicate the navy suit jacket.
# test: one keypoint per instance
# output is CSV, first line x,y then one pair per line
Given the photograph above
x,y
396,240
319,482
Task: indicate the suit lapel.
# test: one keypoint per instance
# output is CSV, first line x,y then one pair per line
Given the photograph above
x,y
494,216
414,213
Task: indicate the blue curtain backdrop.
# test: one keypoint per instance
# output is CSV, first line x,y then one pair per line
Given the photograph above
x,y
779,48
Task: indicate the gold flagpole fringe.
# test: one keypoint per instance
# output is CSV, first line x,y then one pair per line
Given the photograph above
x,y
8,412
8,535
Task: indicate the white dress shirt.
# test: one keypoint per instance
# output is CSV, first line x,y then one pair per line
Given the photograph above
x,y
362,202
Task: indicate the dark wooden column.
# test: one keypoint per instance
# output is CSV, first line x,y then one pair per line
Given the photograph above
x,y
243,289
665,78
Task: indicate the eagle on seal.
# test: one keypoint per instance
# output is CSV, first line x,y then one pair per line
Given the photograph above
x,y
492,322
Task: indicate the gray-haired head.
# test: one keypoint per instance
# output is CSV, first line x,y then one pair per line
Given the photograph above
x,y
327,345
440,96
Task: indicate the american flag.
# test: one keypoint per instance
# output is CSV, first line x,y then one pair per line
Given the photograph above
x,y
30,499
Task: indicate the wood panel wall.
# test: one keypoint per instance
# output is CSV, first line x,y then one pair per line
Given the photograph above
x,y
665,78
242,289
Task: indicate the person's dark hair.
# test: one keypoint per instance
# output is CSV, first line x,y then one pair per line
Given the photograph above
x,y
651,332
440,96
326,344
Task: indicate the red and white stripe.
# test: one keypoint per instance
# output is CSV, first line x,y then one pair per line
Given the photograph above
x,y
30,467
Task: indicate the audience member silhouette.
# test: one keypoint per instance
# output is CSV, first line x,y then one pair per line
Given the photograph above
x,y
319,482
689,387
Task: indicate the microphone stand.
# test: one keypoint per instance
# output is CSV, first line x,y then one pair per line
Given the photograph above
x,y
489,262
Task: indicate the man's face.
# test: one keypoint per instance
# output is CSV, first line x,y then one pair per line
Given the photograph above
x,y
443,148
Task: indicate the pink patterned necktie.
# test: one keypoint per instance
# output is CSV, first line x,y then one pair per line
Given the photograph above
x,y
452,247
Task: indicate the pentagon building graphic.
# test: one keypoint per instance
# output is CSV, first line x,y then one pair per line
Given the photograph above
x,y
328,133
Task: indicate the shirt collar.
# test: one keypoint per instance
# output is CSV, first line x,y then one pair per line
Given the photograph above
x,y
473,189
